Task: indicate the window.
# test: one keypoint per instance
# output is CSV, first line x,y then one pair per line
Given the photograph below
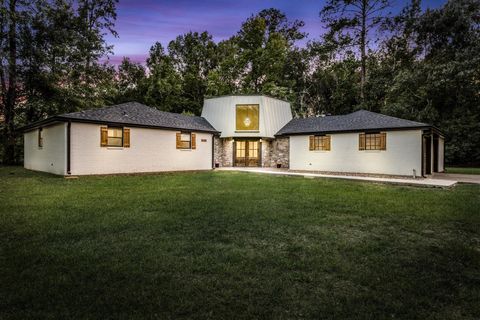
x,y
40,137
373,141
247,117
114,137
319,143
186,140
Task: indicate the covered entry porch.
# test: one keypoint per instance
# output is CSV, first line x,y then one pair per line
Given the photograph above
x,y
251,152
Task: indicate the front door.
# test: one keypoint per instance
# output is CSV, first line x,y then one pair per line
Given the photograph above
x,y
247,153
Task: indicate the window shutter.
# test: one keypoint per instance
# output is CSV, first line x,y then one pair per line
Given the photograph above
x,y
126,138
311,144
194,141
327,143
383,141
103,136
361,141
179,140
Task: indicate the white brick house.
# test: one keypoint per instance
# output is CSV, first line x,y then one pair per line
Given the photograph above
x,y
237,130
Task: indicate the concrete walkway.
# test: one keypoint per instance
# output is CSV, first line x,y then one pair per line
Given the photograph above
x,y
464,178
425,182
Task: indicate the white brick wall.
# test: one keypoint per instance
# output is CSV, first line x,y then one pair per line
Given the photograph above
x,y
403,154
52,157
151,150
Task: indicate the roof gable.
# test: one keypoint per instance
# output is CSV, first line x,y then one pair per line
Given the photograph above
x,y
355,121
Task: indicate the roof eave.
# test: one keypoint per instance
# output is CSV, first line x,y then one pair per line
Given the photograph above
x,y
48,121
39,123
353,130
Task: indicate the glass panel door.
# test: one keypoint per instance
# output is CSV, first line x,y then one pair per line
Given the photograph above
x,y
240,153
247,153
252,160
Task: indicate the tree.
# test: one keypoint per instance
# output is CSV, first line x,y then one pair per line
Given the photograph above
x,y
164,85
130,80
49,52
9,24
264,43
441,87
224,78
350,23
94,18
193,57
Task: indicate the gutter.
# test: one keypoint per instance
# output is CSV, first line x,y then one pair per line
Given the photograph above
x,y
213,151
69,125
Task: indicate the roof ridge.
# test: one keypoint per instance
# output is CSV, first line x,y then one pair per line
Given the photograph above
x,y
385,115
130,103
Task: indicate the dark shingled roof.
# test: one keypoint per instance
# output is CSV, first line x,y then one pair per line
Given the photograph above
x,y
356,121
135,114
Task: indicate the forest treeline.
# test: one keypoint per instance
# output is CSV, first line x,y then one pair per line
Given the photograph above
x,y
418,65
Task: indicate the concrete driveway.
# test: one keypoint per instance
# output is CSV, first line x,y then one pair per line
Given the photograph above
x,y
465,178
429,182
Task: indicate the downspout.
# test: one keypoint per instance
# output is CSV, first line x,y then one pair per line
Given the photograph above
x,y
69,125
213,151
260,152
421,154
443,154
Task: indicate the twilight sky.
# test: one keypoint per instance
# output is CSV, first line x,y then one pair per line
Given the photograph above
x,y
140,23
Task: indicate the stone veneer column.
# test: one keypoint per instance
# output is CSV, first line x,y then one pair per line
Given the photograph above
x,y
281,152
223,153
266,153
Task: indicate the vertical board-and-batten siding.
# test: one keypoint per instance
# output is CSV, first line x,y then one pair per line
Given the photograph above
x,y
52,156
151,150
401,157
221,113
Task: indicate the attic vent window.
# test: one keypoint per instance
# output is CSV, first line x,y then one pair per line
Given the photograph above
x,y
247,117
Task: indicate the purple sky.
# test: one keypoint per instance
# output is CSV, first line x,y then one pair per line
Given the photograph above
x,y
140,23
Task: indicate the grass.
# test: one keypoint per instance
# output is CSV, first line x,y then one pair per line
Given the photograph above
x,y
224,245
461,170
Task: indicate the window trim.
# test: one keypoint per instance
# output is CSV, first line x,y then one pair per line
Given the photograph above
x,y
236,116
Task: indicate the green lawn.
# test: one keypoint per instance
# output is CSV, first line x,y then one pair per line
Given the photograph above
x,y
462,170
226,245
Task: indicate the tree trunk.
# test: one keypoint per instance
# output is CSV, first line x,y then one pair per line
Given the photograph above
x,y
11,96
363,44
